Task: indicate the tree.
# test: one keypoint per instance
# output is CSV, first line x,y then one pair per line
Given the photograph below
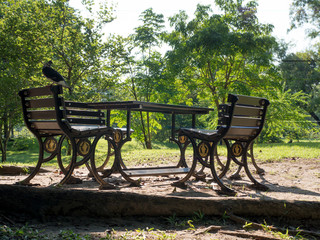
x,y
301,73
305,65
20,55
306,12
32,32
147,70
218,53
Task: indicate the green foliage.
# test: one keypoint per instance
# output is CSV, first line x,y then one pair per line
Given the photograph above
x,y
25,232
28,233
33,32
22,143
306,12
147,81
214,55
284,118
70,235
301,73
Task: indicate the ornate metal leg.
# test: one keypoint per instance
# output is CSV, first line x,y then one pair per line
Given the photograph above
x,y
181,182
183,142
250,154
52,149
109,154
64,170
236,175
256,184
72,164
224,189
27,180
218,159
103,185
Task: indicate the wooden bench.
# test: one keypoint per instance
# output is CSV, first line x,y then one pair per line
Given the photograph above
x,y
50,117
240,122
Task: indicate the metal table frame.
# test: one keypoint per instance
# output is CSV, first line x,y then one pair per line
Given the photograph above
x,y
118,140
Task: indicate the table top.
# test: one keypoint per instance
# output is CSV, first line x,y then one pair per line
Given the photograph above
x,y
151,107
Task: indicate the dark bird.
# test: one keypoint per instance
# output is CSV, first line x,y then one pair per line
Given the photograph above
x,y
53,75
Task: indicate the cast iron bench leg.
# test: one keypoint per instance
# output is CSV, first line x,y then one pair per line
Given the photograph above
x,y
41,160
236,175
224,189
256,184
94,171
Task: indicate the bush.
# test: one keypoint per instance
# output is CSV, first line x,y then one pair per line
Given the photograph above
x,y
22,143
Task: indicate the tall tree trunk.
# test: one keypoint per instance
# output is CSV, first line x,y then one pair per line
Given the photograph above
x,y
5,132
315,117
148,140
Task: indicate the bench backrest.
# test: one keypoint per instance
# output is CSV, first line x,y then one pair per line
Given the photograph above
x,y
243,117
47,113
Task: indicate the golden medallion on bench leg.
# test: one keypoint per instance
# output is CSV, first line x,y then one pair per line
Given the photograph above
x,y
203,149
50,144
183,139
237,149
117,136
83,146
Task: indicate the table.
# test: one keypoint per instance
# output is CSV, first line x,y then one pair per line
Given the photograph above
x,y
121,136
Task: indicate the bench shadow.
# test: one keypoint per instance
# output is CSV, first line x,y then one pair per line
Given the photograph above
x,y
281,188
273,187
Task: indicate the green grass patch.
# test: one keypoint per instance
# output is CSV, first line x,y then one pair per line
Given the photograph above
x,y
282,151
134,154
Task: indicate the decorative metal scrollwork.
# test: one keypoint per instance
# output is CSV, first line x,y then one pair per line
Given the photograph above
x,y
237,149
83,146
50,145
203,149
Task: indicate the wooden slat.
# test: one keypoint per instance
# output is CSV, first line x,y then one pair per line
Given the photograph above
x,y
70,104
247,111
32,92
155,172
249,100
86,121
49,114
50,132
244,131
45,125
85,113
40,103
245,121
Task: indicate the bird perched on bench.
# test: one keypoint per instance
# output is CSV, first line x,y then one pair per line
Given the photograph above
x,y
53,75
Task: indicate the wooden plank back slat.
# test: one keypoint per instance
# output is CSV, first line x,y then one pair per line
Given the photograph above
x,y
34,92
245,122
86,121
248,100
39,114
85,113
242,131
247,111
40,103
45,125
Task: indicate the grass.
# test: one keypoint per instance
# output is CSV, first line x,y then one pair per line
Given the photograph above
x,y
26,152
281,151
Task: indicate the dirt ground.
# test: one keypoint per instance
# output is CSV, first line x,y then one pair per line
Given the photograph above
x,y
290,179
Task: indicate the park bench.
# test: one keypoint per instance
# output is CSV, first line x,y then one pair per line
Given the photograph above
x,y
50,117
240,121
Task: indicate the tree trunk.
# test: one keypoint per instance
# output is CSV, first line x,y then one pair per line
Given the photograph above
x,y
4,156
6,134
315,117
148,142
